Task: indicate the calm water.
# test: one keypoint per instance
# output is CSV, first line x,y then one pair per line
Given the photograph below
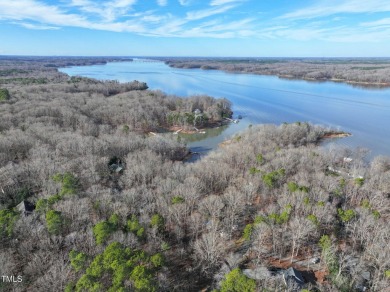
x,y
266,99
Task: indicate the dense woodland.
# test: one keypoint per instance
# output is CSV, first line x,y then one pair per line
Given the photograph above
x,y
360,71
108,207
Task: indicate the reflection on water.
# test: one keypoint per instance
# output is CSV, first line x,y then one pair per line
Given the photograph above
x,y
266,99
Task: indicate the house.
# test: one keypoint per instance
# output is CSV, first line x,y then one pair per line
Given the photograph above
x,y
25,208
293,279
116,167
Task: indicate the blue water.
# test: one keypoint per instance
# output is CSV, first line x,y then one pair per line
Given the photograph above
x,y
267,99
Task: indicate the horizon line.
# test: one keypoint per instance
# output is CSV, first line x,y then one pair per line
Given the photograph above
x,y
196,56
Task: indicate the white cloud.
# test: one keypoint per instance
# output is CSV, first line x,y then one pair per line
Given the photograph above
x,y
32,10
120,16
109,11
222,2
33,14
302,34
162,2
36,26
199,14
378,23
326,8
234,26
53,16
152,18
120,3
185,2
337,34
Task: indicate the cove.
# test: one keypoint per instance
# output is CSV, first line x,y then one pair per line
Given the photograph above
x,y
364,112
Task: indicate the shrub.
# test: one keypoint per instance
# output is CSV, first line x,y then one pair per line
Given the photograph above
x,y
53,199
157,260
144,285
271,178
69,183
88,283
325,242
141,277
114,220
125,129
248,232
77,260
54,222
133,224
102,231
135,227
359,181
292,186
140,232
365,204
177,200
253,170
376,214
43,205
304,189
4,94
165,246
157,221
236,281
7,221
260,158
346,215
282,217
342,183
69,287
259,219
313,219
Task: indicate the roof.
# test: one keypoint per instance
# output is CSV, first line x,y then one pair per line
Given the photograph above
x,y
116,167
293,274
25,206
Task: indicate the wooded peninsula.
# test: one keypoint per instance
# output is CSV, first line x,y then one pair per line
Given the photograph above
x,y
90,201
367,72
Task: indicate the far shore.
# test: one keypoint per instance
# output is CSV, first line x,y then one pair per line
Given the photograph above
x,y
360,72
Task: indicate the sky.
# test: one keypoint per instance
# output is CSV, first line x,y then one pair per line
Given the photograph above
x,y
237,28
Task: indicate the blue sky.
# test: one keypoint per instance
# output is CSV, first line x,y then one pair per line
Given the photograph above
x,y
260,28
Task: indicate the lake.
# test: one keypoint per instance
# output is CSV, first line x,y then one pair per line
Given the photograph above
x,y
265,99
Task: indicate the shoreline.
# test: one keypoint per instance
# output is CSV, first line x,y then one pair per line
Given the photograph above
x,y
337,134
177,129
263,72
325,136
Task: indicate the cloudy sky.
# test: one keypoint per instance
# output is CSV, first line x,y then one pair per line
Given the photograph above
x,y
297,28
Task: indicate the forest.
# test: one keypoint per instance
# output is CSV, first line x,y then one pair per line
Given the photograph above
x,y
367,72
91,201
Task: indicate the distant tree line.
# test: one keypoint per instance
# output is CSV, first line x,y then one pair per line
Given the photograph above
x,y
363,72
